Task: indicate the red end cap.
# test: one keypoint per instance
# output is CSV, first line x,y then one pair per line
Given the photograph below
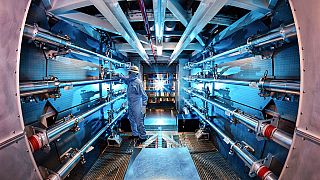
x,y
34,143
268,131
262,172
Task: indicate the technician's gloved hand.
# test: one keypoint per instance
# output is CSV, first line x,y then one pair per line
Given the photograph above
x,y
144,109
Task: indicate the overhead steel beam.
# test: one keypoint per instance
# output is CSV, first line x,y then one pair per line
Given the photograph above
x,y
125,47
159,10
222,20
205,12
165,33
135,16
239,24
61,6
181,15
85,28
112,11
93,21
252,5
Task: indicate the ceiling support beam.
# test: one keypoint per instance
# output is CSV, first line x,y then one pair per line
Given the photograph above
x,y
112,11
261,6
82,18
205,12
61,6
135,16
181,15
125,47
159,10
239,24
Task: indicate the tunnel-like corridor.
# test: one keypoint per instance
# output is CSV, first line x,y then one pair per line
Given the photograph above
x,y
159,89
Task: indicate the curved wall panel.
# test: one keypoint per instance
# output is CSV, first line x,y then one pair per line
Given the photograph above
x,y
303,159
16,159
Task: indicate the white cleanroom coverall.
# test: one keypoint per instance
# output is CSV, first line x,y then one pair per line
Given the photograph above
x,y
137,101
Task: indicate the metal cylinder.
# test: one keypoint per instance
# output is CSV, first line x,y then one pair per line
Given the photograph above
x,y
282,138
216,129
236,51
31,88
248,158
61,128
271,37
275,35
42,35
71,163
252,123
283,86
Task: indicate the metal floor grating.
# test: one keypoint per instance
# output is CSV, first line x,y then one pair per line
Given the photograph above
x,y
110,166
212,165
190,141
125,148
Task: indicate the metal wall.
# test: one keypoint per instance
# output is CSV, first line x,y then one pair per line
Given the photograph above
x,y
35,65
281,63
15,154
303,159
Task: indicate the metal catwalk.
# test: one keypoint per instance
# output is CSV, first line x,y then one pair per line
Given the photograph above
x,y
165,155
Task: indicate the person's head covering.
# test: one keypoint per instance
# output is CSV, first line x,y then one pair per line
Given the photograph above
x,y
134,69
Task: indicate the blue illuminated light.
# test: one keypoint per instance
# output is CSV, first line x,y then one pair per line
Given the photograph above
x,y
159,84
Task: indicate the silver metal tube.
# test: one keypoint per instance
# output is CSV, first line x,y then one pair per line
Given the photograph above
x,y
248,158
58,130
203,117
42,35
252,123
226,139
67,167
37,86
30,88
281,86
273,36
284,86
271,176
232,52
282,138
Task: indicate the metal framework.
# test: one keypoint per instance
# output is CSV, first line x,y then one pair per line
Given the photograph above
x,y
114,20
205,12
257,167
261,128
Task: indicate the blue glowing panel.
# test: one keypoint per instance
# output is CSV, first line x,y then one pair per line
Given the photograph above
x,y
161,163
160,117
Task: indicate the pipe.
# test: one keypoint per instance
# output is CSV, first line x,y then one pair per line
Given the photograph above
x,y
67,167
267,130
259,169
271,37
283,86
31,88
39,34
56,131
147,26
37,141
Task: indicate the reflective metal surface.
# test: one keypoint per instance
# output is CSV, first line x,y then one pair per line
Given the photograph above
x,y
162,163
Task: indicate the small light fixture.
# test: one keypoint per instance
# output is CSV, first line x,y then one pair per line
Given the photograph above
x,y
159,50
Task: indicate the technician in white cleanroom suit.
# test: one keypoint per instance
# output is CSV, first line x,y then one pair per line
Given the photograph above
x,y
137,102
